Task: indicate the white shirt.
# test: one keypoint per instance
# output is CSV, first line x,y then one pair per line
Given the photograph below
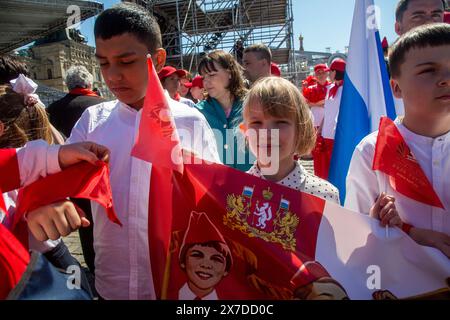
x,y
122,262
187,102
317,115
299,179
185,293
364,185
399,107
37,159
331,114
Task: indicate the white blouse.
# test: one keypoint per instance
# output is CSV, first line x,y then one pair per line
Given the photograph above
x,y
299,179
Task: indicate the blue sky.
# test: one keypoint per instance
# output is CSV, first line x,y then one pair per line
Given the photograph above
x,y
323,23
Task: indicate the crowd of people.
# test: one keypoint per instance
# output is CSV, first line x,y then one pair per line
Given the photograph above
x,y
223,108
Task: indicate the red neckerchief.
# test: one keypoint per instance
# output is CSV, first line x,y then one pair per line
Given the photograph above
x,y
324,86
334,89
83,92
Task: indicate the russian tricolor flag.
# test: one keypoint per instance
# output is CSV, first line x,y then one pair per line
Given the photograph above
x,y
366,93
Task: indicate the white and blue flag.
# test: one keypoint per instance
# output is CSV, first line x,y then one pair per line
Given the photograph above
x,y
366,93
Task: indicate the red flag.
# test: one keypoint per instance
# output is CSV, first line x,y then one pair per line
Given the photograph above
x,y
157,140
259,233
14,259
394,158
82,180
10,177
255,226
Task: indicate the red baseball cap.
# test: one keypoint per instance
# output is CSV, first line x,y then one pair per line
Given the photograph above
x,y
447,17
338,65
196,82
275,70
167,71
322,67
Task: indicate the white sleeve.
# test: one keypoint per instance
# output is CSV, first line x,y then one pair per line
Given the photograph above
x,y
37,159
362,187
209,144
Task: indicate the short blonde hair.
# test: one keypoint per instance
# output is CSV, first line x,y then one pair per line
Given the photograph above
x,y
280,98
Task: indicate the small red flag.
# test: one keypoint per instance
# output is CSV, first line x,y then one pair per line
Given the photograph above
x,y
2,204
157,140
394,158
14,259
10,177
82,180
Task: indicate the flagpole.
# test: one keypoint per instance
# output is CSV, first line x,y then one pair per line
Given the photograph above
x,y
166,278
385,191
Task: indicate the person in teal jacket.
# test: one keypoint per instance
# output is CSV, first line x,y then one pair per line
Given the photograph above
x,y
223,80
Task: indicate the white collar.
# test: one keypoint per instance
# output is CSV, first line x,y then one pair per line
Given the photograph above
x,y
185,293
409,135
295,179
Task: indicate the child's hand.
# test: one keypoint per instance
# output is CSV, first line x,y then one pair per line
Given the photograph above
x,y
56,220
384,210
84,151
430,238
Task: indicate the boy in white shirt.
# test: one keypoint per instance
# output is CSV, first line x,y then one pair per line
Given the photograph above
x,y
124,35
420,68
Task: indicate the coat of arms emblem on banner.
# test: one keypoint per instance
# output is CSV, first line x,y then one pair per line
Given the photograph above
x,y
259,219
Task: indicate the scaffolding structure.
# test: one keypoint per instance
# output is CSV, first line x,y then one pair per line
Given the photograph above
x,y
192,28
23,21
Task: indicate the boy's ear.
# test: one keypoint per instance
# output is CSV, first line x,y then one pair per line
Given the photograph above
x,y
2,128
396,90
398,28
159,59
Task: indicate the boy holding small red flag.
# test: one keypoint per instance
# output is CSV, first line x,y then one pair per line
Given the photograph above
x,y
407,169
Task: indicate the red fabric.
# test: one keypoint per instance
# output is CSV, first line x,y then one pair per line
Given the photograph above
x,y
406,228
316,93
322,67
167,71
275,70
335,88
309,81
308,273
83,92
14,259
82,180
2,204
196,82
394,158
322,157
200,229
384,43
214,190
10,177
265,257
447,17
157,141
338,64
